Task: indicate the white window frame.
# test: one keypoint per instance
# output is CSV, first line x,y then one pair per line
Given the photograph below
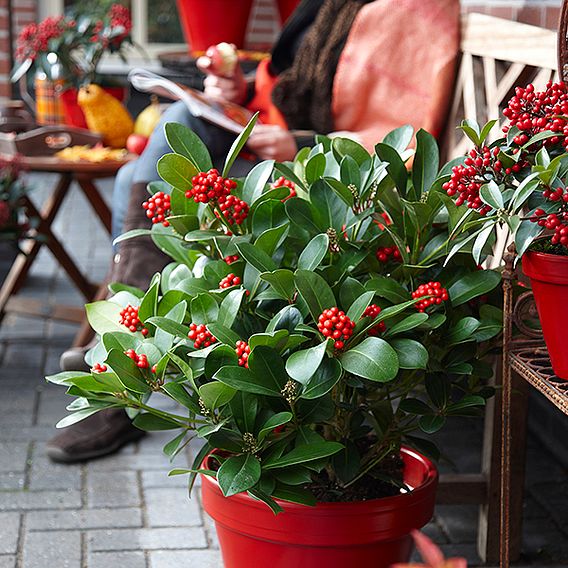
x,y
139,31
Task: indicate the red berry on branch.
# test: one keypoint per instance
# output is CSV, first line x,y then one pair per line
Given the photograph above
x,y
200,336
384,254
229,259
140,360
437,294
242,350
334,324
373,311
158,207
235,210
283,182
99,368
230,280
129,318
209,186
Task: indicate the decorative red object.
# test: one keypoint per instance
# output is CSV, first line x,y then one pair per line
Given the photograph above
x,y
208,22
335,535
549,280
285,8
72,111
136,143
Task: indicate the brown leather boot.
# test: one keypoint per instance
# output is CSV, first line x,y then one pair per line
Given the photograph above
x,y
98,435
108,430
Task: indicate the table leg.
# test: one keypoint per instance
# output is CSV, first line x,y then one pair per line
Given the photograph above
x,y
96,200
24,261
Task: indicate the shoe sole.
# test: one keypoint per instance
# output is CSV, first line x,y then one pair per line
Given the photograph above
x,y
61,456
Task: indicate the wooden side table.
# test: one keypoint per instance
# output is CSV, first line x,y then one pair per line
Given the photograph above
x,y
85,174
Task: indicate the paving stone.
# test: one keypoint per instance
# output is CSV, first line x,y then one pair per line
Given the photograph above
x,y
113,489
84,519
30,500
150,462
12,480
171,507
7,562
13,456
40,550
459,522
178,558
48,475
9,530
117,560
153,479
146,539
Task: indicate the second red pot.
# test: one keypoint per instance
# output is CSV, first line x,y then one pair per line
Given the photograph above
x,y
335,535
549,281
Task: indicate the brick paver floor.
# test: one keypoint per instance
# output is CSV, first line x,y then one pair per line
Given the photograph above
x,y
123,511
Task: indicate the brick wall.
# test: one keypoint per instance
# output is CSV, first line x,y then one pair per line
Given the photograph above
x,y
264,24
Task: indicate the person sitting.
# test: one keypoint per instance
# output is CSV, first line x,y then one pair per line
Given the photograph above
x,y
355,68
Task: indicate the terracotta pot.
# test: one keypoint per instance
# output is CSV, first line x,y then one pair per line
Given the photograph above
x,y
208,22
72,111
549,280
335,535
285,8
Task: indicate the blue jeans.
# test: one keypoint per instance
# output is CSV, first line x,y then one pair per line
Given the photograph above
x,y
217,140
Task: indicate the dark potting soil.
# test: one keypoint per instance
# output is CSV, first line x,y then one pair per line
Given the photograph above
x,y
385,480
544,245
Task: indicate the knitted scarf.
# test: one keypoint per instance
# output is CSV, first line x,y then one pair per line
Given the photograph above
x,y
303,91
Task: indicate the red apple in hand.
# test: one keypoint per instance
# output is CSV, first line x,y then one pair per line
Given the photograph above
x,y
136,143
224,58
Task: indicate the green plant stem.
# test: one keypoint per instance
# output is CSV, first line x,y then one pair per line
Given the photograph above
x,y
181,420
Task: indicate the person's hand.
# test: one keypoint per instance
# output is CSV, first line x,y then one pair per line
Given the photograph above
x,y
232,89
271,142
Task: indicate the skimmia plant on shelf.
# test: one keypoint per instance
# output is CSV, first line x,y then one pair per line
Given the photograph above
x,y
310,325
516,187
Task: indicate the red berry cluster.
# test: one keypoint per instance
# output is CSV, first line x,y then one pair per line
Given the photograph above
x,y
129,318
384,254
235,210
229,259
209,186
479,167
373,311
200,335
99,368
533,111
158,207
333,323
433,289
557,222
230,280
140,360
283,182
34,38
242,350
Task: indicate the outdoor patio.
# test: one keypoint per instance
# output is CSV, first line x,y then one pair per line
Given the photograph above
x,y
124,511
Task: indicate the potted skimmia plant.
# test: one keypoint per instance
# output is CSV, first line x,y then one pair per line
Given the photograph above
x,y
517,186
312,336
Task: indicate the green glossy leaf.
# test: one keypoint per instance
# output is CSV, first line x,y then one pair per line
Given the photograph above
x,y
301,365
204,309
372,359
399,138
182,140
256,181
177,170
281,281
315,292
303,454
150,422
130,375
256,258
358,307
411,354
104,317
230,306
273,422
238,145
491,195
473,285
314,253
396,168
426,162
407,324
323,380
238,473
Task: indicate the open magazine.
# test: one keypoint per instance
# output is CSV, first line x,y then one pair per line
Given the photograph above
x,y
227,115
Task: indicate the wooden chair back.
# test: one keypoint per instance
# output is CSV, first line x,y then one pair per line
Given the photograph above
x,y
496,56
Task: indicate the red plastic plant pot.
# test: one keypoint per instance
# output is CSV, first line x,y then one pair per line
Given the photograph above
x,y
335,535
209,22
285,8
549,280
